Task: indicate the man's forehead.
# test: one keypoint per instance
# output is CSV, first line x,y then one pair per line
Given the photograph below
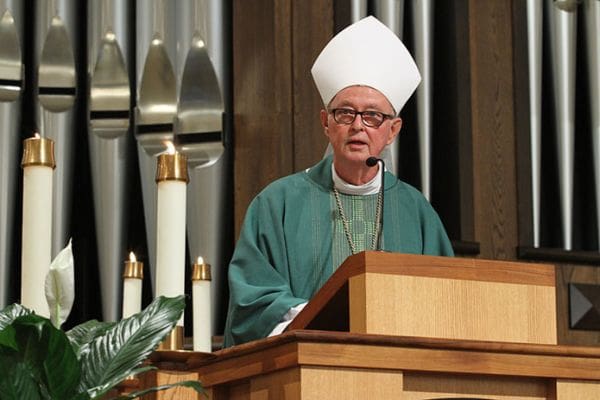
x,y
373,97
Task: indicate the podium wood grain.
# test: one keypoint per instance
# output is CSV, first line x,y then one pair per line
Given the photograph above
x,y
166,376
444,297
328,365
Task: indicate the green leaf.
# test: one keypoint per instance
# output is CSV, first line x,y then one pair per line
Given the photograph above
x,y
12,312
31,343
197,386
82,335
48,355
62,371
60,286
16,380
81,396
112,356
8,339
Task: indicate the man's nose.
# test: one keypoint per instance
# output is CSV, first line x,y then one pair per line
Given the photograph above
x,y
357,124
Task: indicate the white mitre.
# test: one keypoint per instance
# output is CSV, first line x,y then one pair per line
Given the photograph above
x,y
367,53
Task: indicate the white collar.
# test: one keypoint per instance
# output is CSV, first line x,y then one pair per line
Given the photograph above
x,y
371,187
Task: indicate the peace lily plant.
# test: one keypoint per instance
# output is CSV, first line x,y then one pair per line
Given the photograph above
x,y
40,361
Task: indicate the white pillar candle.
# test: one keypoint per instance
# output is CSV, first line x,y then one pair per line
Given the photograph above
x,y
133,274
36,251
201,293
171,178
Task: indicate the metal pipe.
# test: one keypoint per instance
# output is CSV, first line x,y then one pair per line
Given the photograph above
x,y
54,60
534,50
358,10
391,13
109,121
423,33
11,74
592,22
563,31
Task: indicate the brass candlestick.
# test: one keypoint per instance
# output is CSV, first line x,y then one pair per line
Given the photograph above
x,y
173,341
38,151
201,272
172,167
133,269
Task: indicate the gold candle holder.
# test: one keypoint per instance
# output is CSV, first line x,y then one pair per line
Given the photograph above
x,y
173,341
172,167
201,272
133,269
38,151
133,273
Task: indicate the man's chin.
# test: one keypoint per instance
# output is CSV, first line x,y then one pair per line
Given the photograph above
x,y
357,157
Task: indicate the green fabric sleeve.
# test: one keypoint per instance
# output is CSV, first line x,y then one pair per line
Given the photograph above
x,y
258,275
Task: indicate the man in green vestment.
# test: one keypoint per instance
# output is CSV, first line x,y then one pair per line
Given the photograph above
x,y
300,228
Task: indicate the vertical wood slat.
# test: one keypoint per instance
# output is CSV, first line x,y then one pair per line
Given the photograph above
x,y
452,158
463,100
276,105
492,117
312,29
522,130
262,97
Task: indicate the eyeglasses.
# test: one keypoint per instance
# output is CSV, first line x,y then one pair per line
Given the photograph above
x,y
372,119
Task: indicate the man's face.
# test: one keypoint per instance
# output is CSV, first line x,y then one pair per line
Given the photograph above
x,y
355,142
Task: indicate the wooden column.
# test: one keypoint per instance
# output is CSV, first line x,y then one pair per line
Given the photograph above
x,y
492,117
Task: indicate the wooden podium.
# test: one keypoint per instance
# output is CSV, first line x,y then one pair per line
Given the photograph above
x,y
392,326
443,297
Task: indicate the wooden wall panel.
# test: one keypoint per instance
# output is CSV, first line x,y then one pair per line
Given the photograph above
x,y
492,116
262,97
275,103
313,27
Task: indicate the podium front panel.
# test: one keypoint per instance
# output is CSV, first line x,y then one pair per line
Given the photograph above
x,y
452,308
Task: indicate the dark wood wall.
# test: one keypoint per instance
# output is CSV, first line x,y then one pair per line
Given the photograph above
x,y
277,130
492,117
276,105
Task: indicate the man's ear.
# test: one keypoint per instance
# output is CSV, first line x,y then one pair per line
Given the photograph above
x,y
395,129
324,120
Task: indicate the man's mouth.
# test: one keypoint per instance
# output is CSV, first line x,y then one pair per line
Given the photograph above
x,y
356,143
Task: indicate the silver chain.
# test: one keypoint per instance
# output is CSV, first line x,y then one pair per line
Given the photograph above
x,y
347,225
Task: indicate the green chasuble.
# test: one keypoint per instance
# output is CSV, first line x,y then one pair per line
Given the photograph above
x,y
292,240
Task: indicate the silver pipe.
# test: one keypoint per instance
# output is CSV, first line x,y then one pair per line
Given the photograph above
x,y
358,10
11,72
592,22
199,126
156,101
534,50
423,33
563,31
54,60
391,13
109,102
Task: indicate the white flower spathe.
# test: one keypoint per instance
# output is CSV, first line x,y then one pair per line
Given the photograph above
x,y
60,286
